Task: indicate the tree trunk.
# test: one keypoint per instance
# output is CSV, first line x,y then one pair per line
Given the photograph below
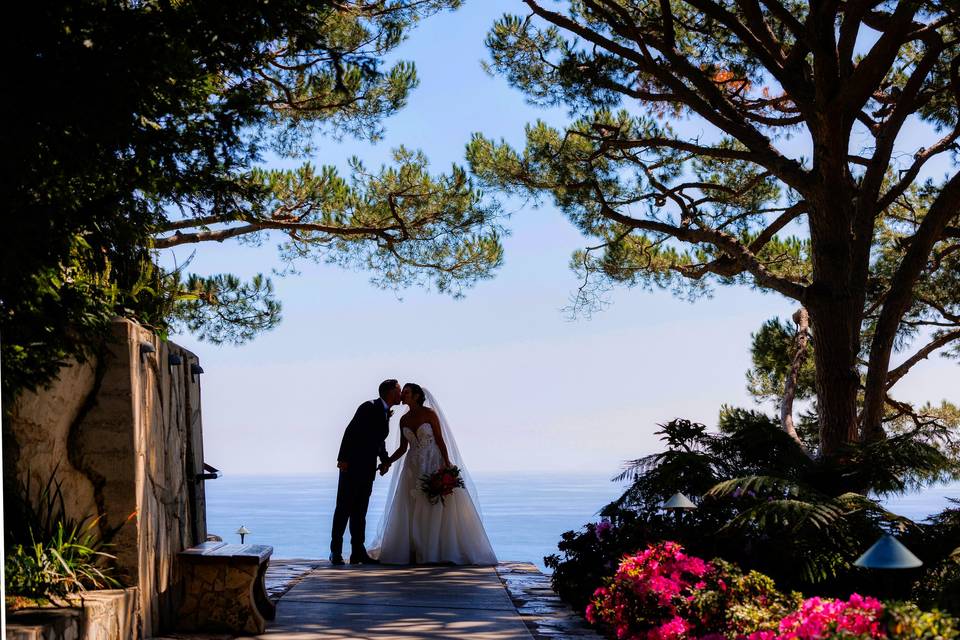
x,y
835,301
800,343
837,378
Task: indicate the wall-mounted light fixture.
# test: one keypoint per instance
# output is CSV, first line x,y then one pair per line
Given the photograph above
x,y
147,347
174,359
195,370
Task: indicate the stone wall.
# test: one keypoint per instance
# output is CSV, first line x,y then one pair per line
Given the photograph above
x,y
124,436
110,614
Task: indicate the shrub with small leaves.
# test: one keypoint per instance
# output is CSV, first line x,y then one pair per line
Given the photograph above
x,y
733,603
906,621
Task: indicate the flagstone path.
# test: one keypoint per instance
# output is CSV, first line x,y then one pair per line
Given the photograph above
x,y
397,603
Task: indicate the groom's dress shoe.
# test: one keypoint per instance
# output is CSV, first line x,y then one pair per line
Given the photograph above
x,y
336,560
364,559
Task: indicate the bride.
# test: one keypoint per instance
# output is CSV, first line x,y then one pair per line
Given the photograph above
x,y
412,529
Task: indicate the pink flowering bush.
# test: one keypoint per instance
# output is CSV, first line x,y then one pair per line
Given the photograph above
x,y
857,617
662,593
644,599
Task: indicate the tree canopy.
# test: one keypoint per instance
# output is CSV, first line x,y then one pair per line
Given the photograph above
x,y
786,145
134,127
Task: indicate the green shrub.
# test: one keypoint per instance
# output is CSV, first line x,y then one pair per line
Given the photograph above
x,y
69,562
764,504
737,604
48,555
906,621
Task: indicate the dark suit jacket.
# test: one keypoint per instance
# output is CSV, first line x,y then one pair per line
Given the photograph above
x,y
365,438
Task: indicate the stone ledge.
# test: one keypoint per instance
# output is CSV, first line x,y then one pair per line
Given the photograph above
x,y
44,624
545,614
109,614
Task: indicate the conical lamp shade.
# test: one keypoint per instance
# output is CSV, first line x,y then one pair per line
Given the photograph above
x,y
888,553
678,501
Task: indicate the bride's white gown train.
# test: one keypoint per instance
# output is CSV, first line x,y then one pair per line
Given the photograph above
x,y
413,530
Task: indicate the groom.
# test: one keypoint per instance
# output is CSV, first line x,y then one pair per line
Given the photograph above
x,y
363,441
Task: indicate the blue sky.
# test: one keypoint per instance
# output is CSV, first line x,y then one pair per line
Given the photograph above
x,y
524,387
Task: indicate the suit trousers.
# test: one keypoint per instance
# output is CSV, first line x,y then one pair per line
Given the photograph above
x,y
353,497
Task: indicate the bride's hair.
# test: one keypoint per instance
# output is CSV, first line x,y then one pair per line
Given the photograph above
x,y
418,393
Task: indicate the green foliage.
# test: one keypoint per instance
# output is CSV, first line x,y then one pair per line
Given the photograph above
x,y
676,165
591,555
172,107
68,562
771,352
765,505
55,314
47,554
906,621
738,603
222,308
402,224
939,584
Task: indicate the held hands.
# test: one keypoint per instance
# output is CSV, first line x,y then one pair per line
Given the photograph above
x,y
341,465
384,468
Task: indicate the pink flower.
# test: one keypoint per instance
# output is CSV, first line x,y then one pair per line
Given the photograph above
x,y
603,527
822,617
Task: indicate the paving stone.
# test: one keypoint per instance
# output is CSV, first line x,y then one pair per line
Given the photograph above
x,y
544,613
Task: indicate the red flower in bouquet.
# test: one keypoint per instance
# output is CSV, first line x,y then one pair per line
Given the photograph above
x,y
440,484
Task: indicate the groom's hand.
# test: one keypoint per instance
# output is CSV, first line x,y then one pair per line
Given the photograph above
x,y
341,465
384,468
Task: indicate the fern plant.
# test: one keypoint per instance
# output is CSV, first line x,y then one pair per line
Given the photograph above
x,y
765,504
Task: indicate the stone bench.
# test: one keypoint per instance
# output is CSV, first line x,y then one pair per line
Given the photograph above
x,y
224,588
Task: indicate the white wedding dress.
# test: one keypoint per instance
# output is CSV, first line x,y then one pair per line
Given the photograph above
x,y
412,530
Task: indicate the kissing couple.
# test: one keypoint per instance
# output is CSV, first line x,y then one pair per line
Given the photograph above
x,y
415,528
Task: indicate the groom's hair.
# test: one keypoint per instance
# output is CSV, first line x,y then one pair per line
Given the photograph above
x,y
386,386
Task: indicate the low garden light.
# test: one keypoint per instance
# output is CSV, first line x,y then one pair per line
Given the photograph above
x,y
243,531
888,553
678,501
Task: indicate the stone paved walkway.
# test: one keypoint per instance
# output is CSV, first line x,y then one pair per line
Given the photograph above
x,y
398,603
545,614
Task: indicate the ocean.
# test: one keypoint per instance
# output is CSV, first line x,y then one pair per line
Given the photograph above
x,y
524,513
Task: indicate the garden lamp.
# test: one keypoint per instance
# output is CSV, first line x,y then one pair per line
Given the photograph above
x,y
678,501
888,553
243,531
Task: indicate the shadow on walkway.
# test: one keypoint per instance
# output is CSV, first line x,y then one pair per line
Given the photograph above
x,y
381,602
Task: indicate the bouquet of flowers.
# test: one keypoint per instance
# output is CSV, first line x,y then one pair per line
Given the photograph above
x,y
440,484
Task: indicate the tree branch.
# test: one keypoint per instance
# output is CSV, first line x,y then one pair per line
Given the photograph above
x,y
895,374
262,225
899,298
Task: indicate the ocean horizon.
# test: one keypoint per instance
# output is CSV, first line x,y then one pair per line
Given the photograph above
x,y
524,513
